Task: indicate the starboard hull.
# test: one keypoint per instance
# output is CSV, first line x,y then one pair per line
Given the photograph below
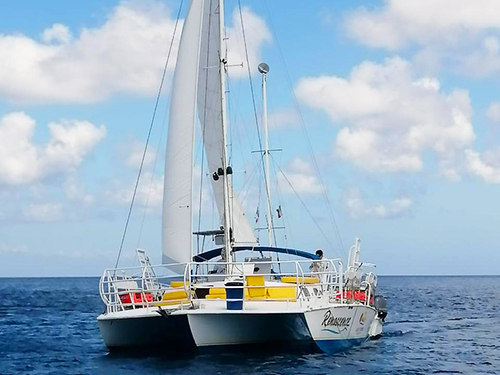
x,y
337,328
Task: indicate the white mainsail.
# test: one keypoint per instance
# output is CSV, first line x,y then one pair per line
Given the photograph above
x,y
196,80
178,183
210,115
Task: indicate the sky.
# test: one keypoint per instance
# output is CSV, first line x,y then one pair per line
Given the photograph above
x,y
397,100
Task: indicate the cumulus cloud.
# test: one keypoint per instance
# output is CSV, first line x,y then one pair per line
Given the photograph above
x,y
257,34
493,112
149,192
357,208
461,32
398,23
23,162
486,167
300,178
124,55
391,116
58,33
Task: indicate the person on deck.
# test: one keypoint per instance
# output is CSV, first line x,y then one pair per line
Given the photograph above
x,y
319,267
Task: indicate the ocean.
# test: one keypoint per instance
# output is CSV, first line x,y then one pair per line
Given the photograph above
x,y
435,325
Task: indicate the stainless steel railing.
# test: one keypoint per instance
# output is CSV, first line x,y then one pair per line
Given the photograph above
x,y
312,281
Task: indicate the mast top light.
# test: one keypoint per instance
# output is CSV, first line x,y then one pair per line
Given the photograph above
x,y
263,68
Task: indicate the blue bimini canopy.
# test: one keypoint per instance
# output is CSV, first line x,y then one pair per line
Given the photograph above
x,y
210,254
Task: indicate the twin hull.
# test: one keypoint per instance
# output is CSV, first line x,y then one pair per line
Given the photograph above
x,y
331,328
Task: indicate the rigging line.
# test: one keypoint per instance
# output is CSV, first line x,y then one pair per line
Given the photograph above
x,y
242,194
233,113
303,204
270,222
284,217
248,173
152,176
302,123
149,135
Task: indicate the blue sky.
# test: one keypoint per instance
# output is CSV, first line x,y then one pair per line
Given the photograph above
x,y
399,99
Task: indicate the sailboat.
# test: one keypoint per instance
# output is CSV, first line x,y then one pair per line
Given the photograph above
x,y
238,293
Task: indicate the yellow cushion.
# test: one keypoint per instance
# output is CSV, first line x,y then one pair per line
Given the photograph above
x,y
281,293
221,293
255,287
177,284
257,292
174,294
300,280
256,280
217,291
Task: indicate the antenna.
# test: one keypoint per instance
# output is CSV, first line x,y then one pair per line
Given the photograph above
x,y
263,68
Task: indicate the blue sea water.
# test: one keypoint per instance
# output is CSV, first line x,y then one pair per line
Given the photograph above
x,y
435,325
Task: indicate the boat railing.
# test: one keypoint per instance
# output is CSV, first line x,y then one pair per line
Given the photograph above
x,y
202,285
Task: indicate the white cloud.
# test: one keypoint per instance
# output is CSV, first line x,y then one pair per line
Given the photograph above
x,y
398,23
124,55
391,117
300,175
23,162
70,141
149,192
58,33
283,118
76,192
493,112
257,34
45,212
486,167
132,153
461,32
357,208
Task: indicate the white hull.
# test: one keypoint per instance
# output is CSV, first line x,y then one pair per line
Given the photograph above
x,y
333,328
339,327
215,329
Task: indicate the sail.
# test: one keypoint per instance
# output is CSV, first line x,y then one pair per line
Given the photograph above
x,y
210,115
178,183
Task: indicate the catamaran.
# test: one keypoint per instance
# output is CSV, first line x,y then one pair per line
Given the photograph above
x,y
239,292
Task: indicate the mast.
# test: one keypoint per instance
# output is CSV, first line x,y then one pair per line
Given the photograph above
x,y
226,171
264,69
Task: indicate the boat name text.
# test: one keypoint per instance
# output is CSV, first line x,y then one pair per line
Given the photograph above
x,y
330,320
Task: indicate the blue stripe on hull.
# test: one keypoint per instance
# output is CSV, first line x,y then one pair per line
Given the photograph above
x,y
334,346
